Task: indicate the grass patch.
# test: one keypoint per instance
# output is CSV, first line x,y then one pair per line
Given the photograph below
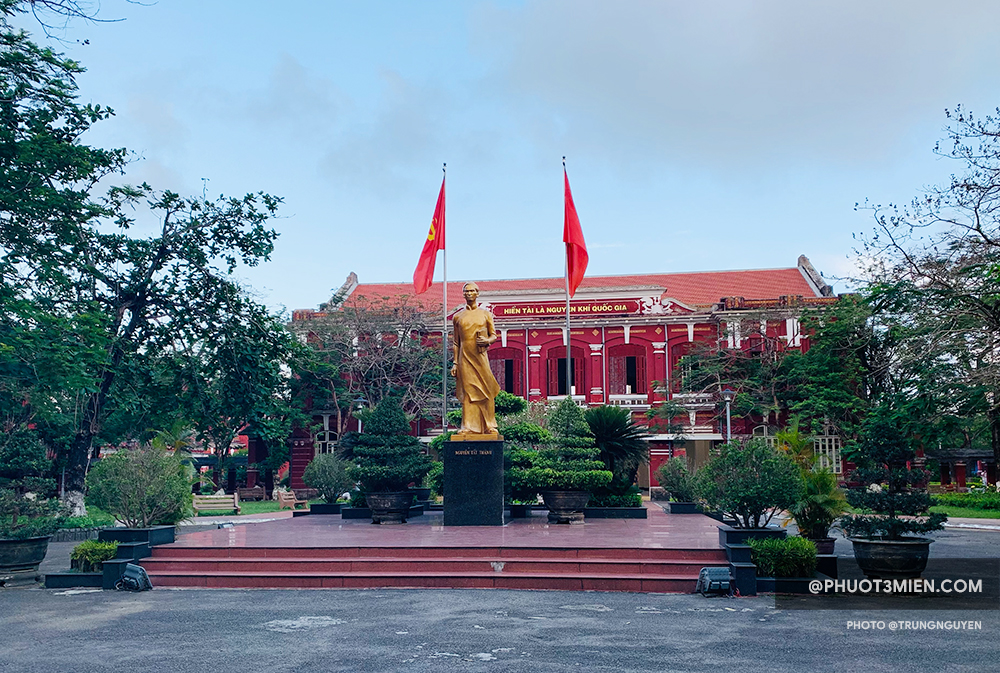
x,y
253,507
967,512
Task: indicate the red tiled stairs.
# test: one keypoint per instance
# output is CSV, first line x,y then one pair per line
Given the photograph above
x,y
603,569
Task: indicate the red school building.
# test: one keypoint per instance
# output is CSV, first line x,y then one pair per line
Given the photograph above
x,y
627,335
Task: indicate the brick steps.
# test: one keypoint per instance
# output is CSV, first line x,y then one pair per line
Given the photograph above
x,y
641,570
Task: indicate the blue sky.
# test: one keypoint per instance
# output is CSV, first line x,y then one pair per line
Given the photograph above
x,y
698,136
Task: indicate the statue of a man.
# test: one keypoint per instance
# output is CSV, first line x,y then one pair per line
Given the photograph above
x,y
476,387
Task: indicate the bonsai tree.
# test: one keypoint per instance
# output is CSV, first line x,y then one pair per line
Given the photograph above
x,y
386,458
141,487
751,482
821,504
622,450
675,479
26,507
892,491
570,462
328,474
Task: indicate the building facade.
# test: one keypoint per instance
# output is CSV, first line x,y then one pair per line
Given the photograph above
x,y
627,336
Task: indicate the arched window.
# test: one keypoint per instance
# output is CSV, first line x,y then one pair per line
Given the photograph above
x,y
507,365
556,370
627,370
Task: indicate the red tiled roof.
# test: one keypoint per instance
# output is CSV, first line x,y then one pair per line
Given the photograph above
x,y
693,289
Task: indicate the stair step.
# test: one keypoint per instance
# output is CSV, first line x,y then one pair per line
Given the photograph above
x,y
491,580
493,553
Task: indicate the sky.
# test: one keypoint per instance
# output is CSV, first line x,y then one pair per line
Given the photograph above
x,y
698,136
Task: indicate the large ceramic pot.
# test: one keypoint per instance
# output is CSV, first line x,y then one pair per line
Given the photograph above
x,y
824,545
389,507
422,493
892,559
23,555
565,506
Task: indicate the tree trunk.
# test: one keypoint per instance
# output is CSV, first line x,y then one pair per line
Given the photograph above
x,y
994,417
76,472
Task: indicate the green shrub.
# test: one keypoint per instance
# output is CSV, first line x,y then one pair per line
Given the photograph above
x,y
631,498
506,404
751,482
984,501
524,432
328,474
789,557
26,506
141,487
821,503
89,555
95,519
675,479
621,442
386,458
434,479
569,463
894,494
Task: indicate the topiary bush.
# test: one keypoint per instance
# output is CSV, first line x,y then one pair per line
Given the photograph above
x,y
506,404
27,508
787,557
675,479
328,474
751,482
569,463
386,458
141,487
434,479
895,493
90,554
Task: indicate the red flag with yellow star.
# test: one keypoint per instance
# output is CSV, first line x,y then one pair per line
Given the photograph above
x,y
424,274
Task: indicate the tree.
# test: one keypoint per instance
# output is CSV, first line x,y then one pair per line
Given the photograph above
x,y
371,349
621,442
934,273
97,319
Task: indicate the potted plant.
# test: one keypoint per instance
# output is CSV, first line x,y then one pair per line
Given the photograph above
x,y
145,488
386,460
675,479
567,471
623,449
821,504
749,482
783,565
28,516
894,502
327,473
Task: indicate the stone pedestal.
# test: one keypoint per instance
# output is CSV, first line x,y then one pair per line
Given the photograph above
x,y
473,483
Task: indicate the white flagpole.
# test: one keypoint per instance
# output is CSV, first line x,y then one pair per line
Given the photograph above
x,y
569,352
444,328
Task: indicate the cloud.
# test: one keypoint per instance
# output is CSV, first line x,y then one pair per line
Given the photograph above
x,y
733,82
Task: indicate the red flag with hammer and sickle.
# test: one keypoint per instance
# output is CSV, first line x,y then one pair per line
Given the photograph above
x,y
424,274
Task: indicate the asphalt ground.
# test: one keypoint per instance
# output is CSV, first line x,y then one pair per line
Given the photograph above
x,y
79,631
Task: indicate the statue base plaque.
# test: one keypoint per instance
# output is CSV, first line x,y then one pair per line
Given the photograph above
x,y
473,482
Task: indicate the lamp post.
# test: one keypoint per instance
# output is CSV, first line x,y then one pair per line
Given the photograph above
x,y
728,394
359,404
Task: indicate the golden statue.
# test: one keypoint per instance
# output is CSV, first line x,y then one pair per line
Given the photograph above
x,y
474,382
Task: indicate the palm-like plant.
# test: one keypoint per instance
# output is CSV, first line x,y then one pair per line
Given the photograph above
x,y
621,442
822,502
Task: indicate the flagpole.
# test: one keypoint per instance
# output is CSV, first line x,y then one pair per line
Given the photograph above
x,y
569,352
444,331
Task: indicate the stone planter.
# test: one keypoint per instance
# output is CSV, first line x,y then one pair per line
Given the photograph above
x,y
23,555
325,508
565,506
153,536
421,493
389,508
683,507
824,545
892,559
729,535
520,511
614,513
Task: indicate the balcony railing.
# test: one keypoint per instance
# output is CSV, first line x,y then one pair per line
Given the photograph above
x,y
629,400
